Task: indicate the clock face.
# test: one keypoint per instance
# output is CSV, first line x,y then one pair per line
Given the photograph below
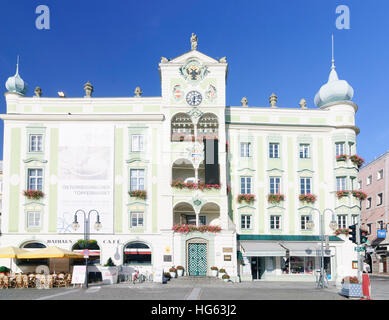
x,y
194,98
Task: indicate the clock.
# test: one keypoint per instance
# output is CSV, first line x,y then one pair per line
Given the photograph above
x,y
194,98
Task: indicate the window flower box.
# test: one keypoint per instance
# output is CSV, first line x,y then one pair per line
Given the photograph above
x,y
33,194
341,157
180,184
248,198
339,231
308,198
359,195
185,228
214,271
357,160
351,287
275,198
342,193
140,194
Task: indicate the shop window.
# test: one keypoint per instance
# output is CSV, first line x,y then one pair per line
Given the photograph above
x,y
94,252
137,253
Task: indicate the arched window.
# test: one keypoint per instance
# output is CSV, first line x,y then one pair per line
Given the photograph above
x,y
94,251
208,127
31,246
137,253
182,128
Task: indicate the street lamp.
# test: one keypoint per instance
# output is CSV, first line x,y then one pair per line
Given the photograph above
x,y
310,225
76,226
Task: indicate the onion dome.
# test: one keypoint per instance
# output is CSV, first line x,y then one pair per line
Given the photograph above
x,y
334,90
16,83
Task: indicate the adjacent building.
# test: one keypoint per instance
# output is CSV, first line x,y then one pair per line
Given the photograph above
x,y
374,180
183,179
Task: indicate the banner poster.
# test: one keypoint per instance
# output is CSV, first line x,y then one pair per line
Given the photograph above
x,y
85,176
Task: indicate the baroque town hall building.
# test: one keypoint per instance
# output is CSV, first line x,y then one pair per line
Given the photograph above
x,y
183,179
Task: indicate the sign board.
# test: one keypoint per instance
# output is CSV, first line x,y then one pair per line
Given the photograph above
x,y
227,257
227,249
79,273
381,234
355,264
158,276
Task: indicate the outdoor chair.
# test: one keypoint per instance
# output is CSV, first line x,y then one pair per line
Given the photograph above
x,y
68,280
25,281
5,282
61,280
49,282
31,281
19,281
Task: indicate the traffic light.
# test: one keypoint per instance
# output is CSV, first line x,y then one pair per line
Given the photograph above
x,y
353,233
363,236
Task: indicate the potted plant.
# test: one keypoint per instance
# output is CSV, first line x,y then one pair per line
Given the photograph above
x,y
221,273
109,272
226,277
248,198
342,193
359,195
214,271
139,194
308,198
172,272
357,160
351,287
180,271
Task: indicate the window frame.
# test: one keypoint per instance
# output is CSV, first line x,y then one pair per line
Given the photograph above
x,y
305,185
305,153
342,224
137,179
274,150
380,174
245,149
304,218
244,185
368,202
30,178
273,222
33,219
245,221
275,185
140,142
337,150
30,144
341,185
379,200
137,213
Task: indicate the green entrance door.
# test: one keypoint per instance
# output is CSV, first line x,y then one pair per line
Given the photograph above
x,y
197,259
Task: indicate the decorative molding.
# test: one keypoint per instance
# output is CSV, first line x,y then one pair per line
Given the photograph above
x,y
35,159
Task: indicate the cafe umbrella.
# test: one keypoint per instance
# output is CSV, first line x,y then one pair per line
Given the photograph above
x,y
50,252
11,253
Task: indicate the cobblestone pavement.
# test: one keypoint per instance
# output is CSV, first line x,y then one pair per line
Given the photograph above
x,y
182,289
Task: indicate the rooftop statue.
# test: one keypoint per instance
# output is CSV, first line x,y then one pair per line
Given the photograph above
x,y
193,40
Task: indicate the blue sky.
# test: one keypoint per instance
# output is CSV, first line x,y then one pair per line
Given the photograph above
x,y
271,46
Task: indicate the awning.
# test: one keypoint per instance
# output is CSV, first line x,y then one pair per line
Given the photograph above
x,y
261,249
305,249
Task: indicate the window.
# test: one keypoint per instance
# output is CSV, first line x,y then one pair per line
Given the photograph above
x,y
342,221
136,143
136,219
275,185
191,220
137,253
304,220
305,185
245,185
304,151
137,179
359,184
379,199
36,143
35,179
245,149
341,183
354,219
380,225
245,222
339,148
369,180
275,222
274,150
368,203
380,174
369,228
33,219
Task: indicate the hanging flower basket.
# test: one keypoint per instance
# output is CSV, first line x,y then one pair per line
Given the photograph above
x,y
248,198
359,195
309,198
275,198
185,228
341,157
339,231
140,194
357,160
33,194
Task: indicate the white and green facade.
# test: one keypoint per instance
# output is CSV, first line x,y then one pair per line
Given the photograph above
x,y
89,153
